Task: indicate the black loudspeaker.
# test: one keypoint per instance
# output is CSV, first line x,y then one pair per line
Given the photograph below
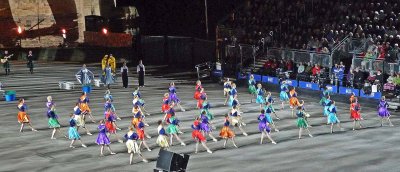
x,y
169,161
94,23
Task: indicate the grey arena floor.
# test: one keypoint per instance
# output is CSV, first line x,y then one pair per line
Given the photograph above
x,y
370,149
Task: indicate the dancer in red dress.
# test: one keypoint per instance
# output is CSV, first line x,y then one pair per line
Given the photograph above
x,y
197,90
198,137
355,113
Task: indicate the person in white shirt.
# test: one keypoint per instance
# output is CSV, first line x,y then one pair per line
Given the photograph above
x,y
141,71
124,74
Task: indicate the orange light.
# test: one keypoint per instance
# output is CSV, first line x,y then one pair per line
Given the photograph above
x,y
105,31
63,31
19,30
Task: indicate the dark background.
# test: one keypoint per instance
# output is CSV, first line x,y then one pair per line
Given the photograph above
x,y
180,17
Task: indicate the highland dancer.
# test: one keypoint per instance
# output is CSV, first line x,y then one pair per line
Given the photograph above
x,y
324,95
232,94
49,103
110,124
198,137
173,129
197,90
264,127
269,101
162,139
260,95
140,132
327,103
383,112
133,148
173,97
205,126
355,113
283,94
166,103
293,101
73,132
84,106
206,108
102,138
332,117
237,120
137,115
267,112
137,99
252,88
140,103
226,132
301,122
53,122
107,95
203,96
227,87
23,117
79,118
110,105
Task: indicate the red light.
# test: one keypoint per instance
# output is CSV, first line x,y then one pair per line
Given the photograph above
x,y
105,31
63,31
19,30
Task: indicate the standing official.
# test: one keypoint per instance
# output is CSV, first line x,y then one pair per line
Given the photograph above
x,y
141,71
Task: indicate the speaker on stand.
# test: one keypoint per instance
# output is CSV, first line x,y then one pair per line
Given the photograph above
x,y
170,161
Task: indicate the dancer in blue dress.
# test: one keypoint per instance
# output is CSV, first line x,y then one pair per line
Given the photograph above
x,y
284,94
332,117
326,105
73,132
260,95
236,120
270,101
108,77
227,87
232,94
267,112
383,111
102,138
173,97
140,103
206,108
263,127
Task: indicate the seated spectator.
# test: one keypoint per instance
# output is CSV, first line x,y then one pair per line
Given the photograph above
x,y
300,68
316,70
308,68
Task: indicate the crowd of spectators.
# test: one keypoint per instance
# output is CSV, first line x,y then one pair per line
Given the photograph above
x,y
339,75
316,24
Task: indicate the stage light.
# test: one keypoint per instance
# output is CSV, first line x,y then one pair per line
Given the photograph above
x,y
105,31
19,30
63,31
